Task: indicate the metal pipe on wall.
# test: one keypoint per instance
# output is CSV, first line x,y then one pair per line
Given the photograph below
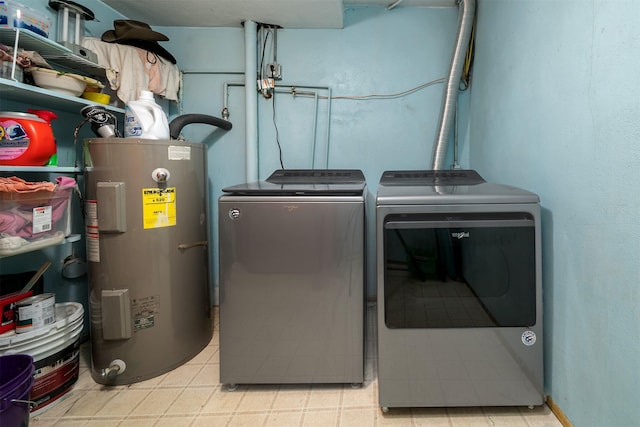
x,y
251,99
329,98
466,14
292,90
225,97
314,94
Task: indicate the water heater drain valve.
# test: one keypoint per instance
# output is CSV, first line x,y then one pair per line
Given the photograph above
x,y
116,367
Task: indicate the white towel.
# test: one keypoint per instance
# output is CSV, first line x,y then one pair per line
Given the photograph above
x,y
131,69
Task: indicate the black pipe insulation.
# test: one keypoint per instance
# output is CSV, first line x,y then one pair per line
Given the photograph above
x,y
176,125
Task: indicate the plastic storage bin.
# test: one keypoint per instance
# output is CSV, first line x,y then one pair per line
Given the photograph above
x,y
29,221
5,71
14,14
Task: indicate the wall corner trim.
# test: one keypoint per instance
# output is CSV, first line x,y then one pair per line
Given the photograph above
x,y
558,412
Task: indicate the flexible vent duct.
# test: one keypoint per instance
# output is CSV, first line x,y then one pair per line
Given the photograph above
x,y
466,13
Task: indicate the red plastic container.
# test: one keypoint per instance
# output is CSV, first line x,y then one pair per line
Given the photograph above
x,y
7,303
26,139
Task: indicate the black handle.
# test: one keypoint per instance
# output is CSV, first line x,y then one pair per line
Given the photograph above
x,y
176,125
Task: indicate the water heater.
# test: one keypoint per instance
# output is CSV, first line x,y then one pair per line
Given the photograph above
x,y
147,251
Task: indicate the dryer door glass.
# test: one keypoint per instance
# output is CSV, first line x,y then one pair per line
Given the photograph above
x,y
459,270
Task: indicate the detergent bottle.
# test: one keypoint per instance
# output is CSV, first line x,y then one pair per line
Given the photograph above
x,y
26,139
144,118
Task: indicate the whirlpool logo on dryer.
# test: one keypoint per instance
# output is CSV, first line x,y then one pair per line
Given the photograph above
x,y
460,235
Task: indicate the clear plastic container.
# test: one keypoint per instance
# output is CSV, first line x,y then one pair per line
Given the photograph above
x,y
6,68
14,14
71,21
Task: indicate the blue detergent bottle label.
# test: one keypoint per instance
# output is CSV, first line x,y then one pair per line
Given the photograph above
x,y
132,126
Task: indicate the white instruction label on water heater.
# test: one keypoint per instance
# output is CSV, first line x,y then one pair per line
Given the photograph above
x,y
144,311
177,152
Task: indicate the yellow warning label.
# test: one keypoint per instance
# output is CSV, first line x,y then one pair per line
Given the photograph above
x,y
159,207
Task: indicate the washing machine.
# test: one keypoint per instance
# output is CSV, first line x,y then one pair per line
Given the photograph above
x,y
292,278
459,291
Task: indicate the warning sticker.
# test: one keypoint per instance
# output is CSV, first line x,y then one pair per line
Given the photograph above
x,y
144,311
92,235
158,207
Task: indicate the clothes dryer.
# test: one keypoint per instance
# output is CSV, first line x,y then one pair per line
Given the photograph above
x,y
459,291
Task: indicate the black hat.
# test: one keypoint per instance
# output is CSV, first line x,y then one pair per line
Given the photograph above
x,y
127,29
137,34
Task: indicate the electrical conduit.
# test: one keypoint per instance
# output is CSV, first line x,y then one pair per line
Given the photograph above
x,y
466,14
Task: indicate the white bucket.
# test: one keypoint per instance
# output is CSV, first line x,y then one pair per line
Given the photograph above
x,y
55,352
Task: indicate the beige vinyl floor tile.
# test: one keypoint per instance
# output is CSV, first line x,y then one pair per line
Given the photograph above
x,y
259,399
138,422
208,375
180,376
358,417
204,356
222,402
211,420
191,396
190,401
322,397
157,402
284,419
320,418
288,398
175,421
123,403
89,403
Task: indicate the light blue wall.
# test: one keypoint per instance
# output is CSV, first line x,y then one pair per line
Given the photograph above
x,y
378,52
555,108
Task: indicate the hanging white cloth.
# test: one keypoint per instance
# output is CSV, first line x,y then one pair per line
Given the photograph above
x,y
131,69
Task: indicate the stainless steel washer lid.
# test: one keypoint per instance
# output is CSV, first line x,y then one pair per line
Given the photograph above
x,y
304,182
412,187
